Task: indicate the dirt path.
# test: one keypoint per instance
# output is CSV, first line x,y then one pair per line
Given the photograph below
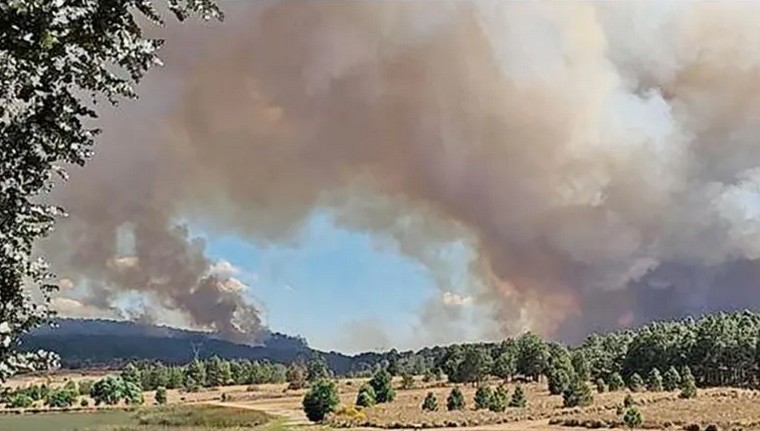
x,y
290,416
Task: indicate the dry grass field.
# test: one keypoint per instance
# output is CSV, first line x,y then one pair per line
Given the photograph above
x,y
729,409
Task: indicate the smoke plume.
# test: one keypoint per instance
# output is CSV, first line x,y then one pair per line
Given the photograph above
x,y
599,159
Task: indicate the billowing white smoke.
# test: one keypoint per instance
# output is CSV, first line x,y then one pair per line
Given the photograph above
x,y
600,159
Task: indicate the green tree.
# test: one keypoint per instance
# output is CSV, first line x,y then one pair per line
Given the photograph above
x,y
499,400
131,373
218,372
688,385
578,394
455,400
628,401
321,399
519,399
407,381
483,397
317,368
61,398
558,380
601,387
430,403
632,418
381,383
474,367
366,396
672,380
580,365
176,378
56,59
85,386
635,383
532,355
108,390
133,394
654,381
161,395
20,401
505,362
615,382
195,375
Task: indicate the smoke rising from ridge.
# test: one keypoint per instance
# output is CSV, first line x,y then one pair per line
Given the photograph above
x,y
600,160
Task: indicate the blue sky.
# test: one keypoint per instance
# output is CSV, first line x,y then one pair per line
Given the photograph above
x,y
329,283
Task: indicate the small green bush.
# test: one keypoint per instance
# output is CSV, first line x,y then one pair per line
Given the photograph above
x,y
455,401
430,404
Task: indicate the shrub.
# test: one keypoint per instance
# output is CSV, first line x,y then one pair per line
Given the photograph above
x,y
672,380
483,397
430,404
578,394
407,381
601,387
61,398
366,396
381,383
654,381
615,382
84,403
635,383
688,386
711,427
321,399
455,401
628,401
161,395
20,401
85,386
558,380
499,400
632,418
518,398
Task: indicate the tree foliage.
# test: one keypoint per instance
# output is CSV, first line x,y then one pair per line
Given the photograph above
x,y
615,382
499,400
321,399
635,383
381,383
161,395
483,396
688,386
430,403
455,400
366,396
519,399
672,380
57,59
578,394
632,418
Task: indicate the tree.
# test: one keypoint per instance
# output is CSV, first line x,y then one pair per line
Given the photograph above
x,y
672,380
580,365
578,394
532,355
61,398
56,58
407,381
85,386
615,382
499,400
317,368
296,376
130,373
635,383
654,381
474,367
483,397
505,364
20,401
688,385
632,418
195,375
628,401
455,401
381,383
430,404
108,390
601,387
366,396
519,399
218,372
161,395
133,394
321,399
558,380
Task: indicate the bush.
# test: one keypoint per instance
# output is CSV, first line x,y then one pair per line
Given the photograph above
x,y
366,396
615,382
688,385
672,380
85,386
483,397
654,381
635,383
632,418
577,395
455,401
518,398
430,404
84,403
601,387
628,401
161,395
20,401
558,380
381,383
499,400
61,398
321,399
407,381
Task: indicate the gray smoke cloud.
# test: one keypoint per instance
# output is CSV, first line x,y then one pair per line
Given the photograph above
x,y
598,159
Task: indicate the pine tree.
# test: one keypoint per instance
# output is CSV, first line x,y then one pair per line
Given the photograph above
x,y
321,399
483,397
430,404
578,394
635,383
381,383
654,381
671,380
632,418
558,379
455,401
366,396
499,400
518,398
615,382
688,385
161,395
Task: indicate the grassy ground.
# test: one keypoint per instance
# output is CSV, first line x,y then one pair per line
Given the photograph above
x,y
65,421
